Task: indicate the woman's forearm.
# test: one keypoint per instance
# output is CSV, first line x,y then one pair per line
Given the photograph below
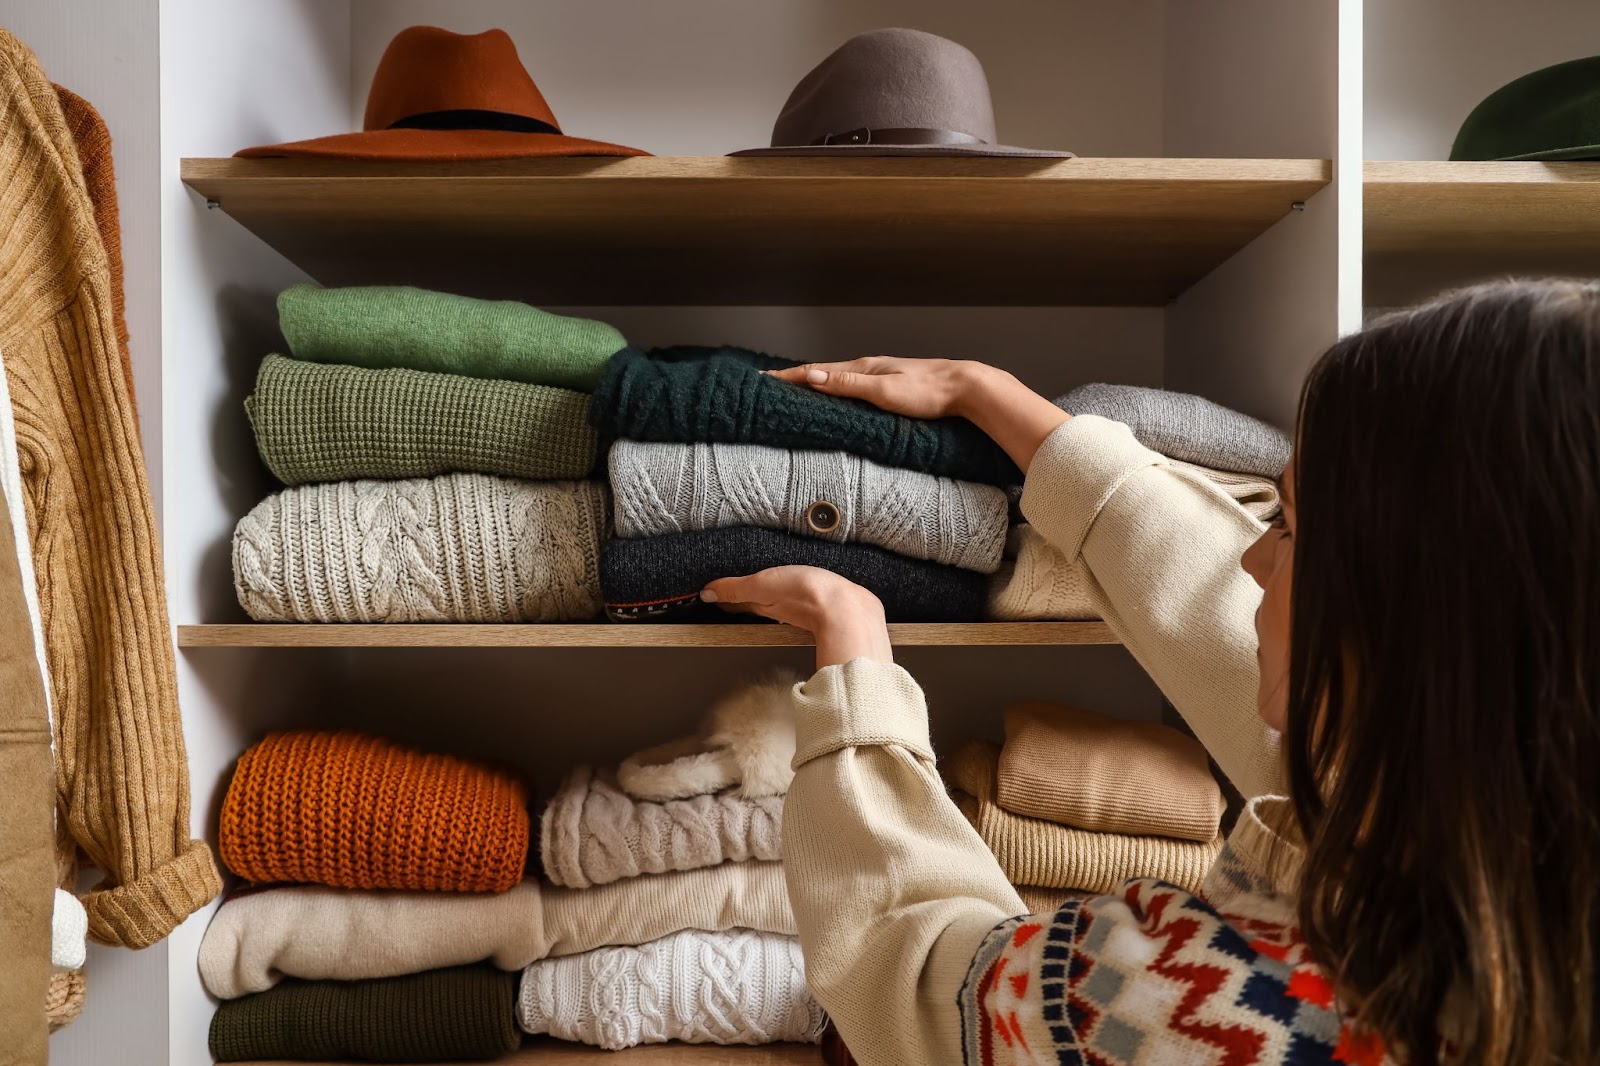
x,y
1013,415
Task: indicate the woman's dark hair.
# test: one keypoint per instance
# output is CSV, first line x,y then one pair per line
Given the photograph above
x,y
1444,708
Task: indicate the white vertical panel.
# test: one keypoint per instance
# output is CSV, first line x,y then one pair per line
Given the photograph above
x,y
232,74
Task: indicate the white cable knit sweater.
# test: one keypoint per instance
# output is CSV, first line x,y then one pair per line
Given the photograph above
x,y
737,987
670,488
456,548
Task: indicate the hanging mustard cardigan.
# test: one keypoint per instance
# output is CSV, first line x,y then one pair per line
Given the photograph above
x,y
122,785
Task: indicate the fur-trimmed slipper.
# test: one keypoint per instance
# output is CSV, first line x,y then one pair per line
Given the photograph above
x,y
747,743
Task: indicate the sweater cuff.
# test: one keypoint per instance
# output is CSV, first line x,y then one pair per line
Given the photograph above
x,y
1080,465
861,703
141,912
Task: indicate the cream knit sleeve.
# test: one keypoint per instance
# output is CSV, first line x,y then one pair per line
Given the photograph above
x,y
893,892
1161,549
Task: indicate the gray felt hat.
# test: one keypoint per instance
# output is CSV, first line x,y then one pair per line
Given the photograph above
x,y
892,92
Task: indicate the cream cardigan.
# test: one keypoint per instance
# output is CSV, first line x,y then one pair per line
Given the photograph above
x,y
892,890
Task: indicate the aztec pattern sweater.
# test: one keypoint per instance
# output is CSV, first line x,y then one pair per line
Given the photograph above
x,y
721,395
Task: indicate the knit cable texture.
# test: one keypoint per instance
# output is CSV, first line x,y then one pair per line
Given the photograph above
x,y
1191,428
672,488
660,578
467,1013
592,832
316,422
738,987
355,811
122,781
457,548
720,395
1033,852
397,326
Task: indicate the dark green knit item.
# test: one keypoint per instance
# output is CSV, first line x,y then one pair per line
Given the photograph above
x,y
395,326
721,396
1550,114
465,1013
316,422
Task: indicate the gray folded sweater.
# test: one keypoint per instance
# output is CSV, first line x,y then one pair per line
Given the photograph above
x,y
675,488
593,833
1191,428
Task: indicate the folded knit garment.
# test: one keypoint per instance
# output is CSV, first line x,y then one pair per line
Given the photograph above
x,y
257,937
658,579
327,422
1092,771
674,488
721,395
353,811
1038,583
593,833
1191,428
736,987
467,1013
456,548
397,326
1047,900
1035,852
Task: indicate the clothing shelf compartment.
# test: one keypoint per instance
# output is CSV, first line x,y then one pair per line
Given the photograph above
x,y
1494,208
802,231
599,635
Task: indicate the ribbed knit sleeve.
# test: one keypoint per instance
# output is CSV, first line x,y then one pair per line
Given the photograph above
x,y
121,772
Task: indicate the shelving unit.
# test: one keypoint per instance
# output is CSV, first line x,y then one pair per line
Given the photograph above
x,y
599,635
1482,209
767,231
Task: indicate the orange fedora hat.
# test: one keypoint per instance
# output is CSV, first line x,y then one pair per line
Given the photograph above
x,y
443,95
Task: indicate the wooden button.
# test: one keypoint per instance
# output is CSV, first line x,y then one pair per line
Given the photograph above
x,y
823,517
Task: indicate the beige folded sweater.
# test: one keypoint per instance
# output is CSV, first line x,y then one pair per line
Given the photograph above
x,y
593,833
1034,852
315,933
1092,771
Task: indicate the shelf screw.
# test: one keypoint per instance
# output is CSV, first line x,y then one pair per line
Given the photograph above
x,y
1298,205
212,205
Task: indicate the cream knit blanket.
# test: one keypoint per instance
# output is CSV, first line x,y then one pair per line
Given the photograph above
x,y
455,548
592,832
1046,855
318,933
672,488
737,987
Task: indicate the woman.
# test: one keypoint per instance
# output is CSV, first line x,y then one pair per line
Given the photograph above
x,y
1428,890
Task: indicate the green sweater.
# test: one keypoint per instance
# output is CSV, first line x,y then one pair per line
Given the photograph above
x,y
397,326
317,422
465,1013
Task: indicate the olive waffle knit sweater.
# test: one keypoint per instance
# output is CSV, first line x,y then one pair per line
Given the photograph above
x,y
122,785
355,811
397,326
467,1013
720,395
316,422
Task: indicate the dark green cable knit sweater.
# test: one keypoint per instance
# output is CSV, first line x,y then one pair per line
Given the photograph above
x,y
465,1013
720,395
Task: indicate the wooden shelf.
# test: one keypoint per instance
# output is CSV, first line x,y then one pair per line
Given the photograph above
x,y
713,230
542,1052
599,635
1508,209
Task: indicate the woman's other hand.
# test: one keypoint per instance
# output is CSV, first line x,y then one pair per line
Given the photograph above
x,y
846,620
1017,418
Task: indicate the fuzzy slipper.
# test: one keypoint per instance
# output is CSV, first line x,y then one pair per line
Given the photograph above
x,y
747,744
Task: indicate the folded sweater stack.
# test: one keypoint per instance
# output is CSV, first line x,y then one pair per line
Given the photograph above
x,y
1231,453
1077,801
707,806
720,469
434,448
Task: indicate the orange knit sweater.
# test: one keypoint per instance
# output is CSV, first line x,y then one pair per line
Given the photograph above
x,y
122,786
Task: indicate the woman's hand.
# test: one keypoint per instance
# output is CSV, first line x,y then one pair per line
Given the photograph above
x,y
846,620
1016,417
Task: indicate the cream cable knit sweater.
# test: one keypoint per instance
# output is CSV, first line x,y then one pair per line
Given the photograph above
x,y
317,933
456,548
737,987
592,832
671,488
